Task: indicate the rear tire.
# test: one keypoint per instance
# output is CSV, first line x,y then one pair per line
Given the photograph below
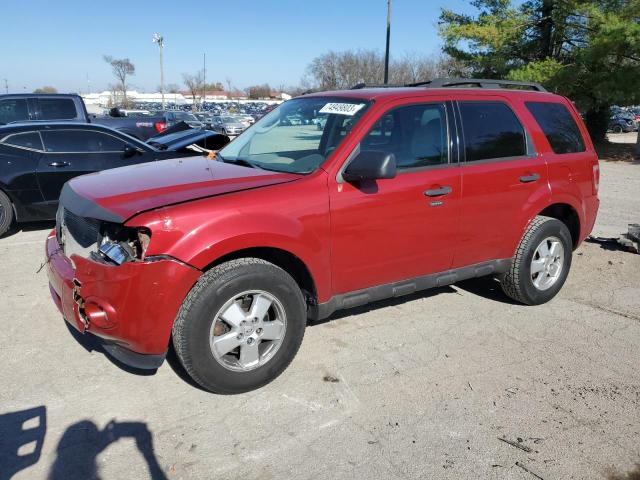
x,y
617,129
6,213
541,263
223,305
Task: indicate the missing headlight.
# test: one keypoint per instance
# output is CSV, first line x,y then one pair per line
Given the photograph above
x,y
119,244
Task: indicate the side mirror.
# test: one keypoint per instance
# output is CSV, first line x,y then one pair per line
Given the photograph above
x,y
130,151
371,165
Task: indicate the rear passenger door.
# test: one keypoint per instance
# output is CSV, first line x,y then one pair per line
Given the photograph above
x,y
501,175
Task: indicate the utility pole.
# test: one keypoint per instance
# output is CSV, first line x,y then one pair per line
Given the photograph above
x,y
204,78
6,86
386,54
157,38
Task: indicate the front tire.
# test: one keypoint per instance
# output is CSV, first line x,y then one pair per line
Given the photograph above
x,y
541,263
240,326
6,213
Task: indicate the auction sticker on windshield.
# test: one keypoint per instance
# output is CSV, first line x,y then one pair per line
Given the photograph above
x,y
342,108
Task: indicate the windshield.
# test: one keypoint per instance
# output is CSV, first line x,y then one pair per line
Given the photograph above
x,y
229,120
298,136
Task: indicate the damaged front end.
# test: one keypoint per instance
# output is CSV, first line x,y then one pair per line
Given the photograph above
x,y
104,284
101,241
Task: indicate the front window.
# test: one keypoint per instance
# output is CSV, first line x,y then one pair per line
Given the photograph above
x,y
298,136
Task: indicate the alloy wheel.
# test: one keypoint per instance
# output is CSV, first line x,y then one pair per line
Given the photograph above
x,y
547,263
248,330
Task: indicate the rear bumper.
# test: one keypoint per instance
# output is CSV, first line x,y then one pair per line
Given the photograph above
x,y
130,307
592,204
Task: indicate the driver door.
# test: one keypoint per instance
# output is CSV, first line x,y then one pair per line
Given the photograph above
x,y
384,231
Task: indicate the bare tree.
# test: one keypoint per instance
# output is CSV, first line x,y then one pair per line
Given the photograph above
x,y
122,68
171,88
338,70
194,84
257,92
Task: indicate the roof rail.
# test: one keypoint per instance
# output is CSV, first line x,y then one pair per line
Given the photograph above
x,y
359,86
477,82
461,83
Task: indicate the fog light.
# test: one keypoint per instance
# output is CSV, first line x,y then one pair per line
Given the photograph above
x,y
96,315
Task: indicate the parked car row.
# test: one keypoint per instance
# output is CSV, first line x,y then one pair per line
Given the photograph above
x,y
37,158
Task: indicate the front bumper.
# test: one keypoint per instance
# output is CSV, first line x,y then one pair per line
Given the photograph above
x,y
130,307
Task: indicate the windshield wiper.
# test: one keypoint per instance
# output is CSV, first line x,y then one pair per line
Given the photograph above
x,y
239,161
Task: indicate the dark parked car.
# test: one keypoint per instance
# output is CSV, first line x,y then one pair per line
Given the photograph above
x,y
30,107
36,159
622,123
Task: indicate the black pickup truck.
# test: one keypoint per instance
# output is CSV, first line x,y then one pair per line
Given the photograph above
x,y
33,107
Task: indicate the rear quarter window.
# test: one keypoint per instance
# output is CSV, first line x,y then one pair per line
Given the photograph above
x,y
558,126
29,140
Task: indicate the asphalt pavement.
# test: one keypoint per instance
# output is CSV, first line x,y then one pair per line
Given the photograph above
x,y
457,382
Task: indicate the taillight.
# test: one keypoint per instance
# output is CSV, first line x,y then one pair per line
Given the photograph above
x,y
596,178
160,126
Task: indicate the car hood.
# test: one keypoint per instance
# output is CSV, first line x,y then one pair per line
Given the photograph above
x,y
118,194
181,136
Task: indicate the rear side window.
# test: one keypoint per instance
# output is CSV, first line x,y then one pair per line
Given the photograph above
x,y
491,130
80,141
30,140
558,126
57,109
13,110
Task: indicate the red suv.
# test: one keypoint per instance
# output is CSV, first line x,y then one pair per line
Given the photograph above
x,y
379,193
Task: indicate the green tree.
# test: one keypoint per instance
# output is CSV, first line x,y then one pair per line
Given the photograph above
x,y
588,50
45,90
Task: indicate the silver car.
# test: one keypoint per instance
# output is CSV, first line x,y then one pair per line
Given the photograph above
x,y
227,125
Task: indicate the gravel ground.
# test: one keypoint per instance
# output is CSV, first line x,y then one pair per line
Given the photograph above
x,y
422,387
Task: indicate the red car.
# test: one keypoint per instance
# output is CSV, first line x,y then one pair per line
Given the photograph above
x,y
402,189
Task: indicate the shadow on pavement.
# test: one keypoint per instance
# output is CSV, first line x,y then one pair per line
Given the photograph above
x,y
91,344
486,287
22,436
29,227
21,439
83,441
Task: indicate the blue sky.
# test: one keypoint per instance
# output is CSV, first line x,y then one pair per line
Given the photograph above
x,y
61,43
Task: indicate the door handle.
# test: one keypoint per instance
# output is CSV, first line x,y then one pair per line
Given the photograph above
x,y
59,164
438,192
534,177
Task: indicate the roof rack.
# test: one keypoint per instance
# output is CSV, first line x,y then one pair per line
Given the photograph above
x,y
462,83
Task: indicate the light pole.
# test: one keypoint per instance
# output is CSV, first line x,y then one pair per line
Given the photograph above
x,y
204,79
386,55
159,39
